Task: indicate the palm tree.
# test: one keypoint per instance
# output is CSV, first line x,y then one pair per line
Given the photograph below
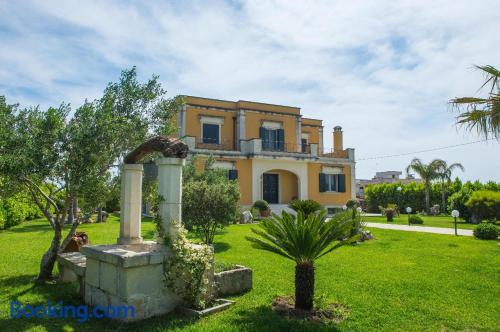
x,y
427,172
444,172
303,240
482,114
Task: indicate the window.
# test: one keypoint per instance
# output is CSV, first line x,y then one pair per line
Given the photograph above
x,y
331,183
211,133
272,139
304,145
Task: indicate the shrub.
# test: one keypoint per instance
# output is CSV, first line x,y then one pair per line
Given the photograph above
x,y
484,204
352,204
209,207
307,206
389,213
487,231
417,220
261,205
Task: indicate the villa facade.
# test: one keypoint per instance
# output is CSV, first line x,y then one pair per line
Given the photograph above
x,y
272,151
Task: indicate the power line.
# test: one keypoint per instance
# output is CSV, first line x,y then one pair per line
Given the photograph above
x,y
428,150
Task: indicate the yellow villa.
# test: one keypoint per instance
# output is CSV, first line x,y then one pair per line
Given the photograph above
x,y
271,150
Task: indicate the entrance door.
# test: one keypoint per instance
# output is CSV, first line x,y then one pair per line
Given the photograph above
x,y
271,188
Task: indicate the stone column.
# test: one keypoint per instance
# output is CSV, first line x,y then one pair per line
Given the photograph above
x,y
170,191
130,204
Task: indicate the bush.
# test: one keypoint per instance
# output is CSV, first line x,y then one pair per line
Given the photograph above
x,y
457,202
208,207
416,220
389,214
487,231
484,204
307,206
261,205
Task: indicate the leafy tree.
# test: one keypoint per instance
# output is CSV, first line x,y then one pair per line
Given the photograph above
x,y
209,199
209,207
444,172
303,240
427,172
60,159
482,114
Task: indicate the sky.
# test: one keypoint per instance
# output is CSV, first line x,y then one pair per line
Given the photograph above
x,y
383,70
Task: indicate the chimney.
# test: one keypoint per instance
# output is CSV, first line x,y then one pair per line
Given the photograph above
x,y
337,139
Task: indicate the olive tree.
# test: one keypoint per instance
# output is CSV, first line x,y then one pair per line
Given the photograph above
x,y
60,158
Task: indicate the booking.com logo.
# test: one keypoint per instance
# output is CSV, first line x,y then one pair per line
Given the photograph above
x,y
58,310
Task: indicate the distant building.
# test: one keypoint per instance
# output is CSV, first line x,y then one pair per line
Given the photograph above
x,y
383,177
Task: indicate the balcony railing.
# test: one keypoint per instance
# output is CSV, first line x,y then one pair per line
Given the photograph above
x,y
275,146
226,145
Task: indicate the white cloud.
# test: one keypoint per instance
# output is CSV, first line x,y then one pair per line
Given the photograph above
x,y
383,70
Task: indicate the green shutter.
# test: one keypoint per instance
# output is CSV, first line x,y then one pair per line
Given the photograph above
x,y
341,178
281,139
322,182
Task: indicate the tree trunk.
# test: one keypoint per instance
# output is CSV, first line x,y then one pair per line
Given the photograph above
x,y
71,215
99,214
50,256
427,197
304,285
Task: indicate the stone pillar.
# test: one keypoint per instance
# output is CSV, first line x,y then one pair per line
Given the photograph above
x,y
170,191
298,129
130,204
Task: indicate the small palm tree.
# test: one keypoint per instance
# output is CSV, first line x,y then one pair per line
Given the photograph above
x,y
444,172
427,172
303,240
482,114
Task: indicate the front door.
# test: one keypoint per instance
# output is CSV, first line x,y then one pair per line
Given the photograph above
x,y
271,188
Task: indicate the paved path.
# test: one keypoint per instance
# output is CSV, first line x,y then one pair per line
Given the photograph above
x,y
424,229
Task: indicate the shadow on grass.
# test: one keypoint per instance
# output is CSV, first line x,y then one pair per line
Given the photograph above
x,y
263,318
221,247
30,227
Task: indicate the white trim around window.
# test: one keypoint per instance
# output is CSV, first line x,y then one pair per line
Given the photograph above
x,y
211,120
332,170
271,125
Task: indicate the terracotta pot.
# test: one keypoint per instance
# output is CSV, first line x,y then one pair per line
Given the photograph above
x,y
265,213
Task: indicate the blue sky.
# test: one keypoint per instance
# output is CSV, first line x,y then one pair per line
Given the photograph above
x,y
382,70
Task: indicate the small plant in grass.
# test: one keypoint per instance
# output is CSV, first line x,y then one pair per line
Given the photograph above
x,y
303,240
416,220
307,206
487,231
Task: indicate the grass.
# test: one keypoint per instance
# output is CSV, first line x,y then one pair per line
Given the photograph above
x,y
400,281
434,221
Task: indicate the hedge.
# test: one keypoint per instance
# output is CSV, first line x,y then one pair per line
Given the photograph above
x,y
15,210
413,194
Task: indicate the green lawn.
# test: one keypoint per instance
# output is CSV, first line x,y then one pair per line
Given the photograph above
x,y
434,221
400,281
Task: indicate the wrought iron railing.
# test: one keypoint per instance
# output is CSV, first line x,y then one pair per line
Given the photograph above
x,y
276,146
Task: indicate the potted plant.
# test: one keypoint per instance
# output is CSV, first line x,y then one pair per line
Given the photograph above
x,y
389,214
263,208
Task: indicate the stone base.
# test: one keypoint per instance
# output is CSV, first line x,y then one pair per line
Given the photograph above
x,y
128,275
128,240
233,282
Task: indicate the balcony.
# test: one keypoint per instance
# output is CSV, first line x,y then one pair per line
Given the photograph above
x,y
224,145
